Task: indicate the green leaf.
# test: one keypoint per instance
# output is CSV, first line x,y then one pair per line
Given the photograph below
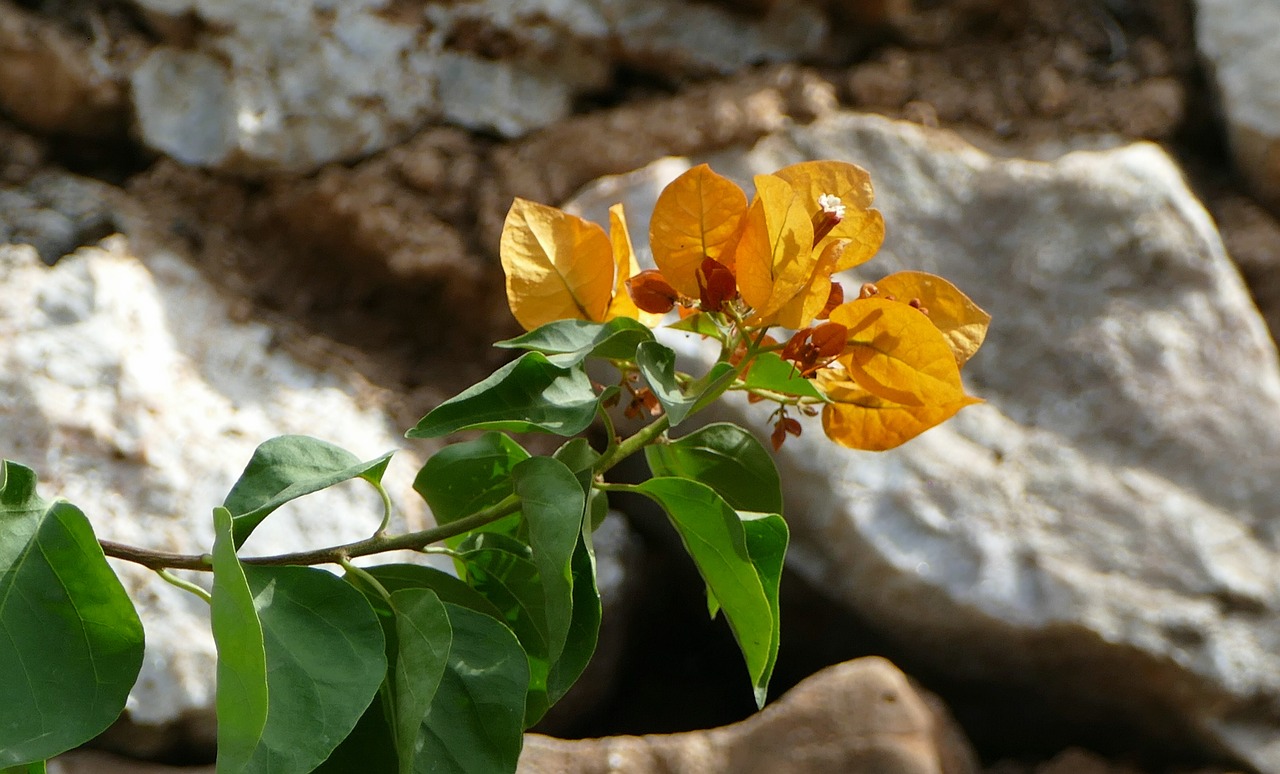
x,y
568,342
770,372
241,700
584,629
658,366
466,477
286,468
424,640
300,656
369,747
501,568
475,725
578,455
714,536
529,394
394,577
726,458
701,323
767,538
554,506
72,643
37,767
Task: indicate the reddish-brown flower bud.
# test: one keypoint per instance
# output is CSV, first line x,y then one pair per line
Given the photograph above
x,y
834,298
829,339
868,290
778,435
716,285
651,292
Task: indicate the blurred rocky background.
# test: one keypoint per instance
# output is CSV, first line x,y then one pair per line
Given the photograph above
x,y
223,220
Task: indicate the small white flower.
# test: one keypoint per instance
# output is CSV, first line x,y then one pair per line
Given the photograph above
x,y
832,204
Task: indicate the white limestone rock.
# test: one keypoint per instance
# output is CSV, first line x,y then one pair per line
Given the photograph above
x,y
287,85
1105,526
127,385
1240,43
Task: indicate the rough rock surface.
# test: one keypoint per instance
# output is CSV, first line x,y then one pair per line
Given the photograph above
x,y
1240,42
131,389
1104,527
861,715
251,85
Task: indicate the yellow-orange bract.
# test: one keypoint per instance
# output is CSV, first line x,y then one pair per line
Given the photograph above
x,y
962,323
749,266
696,217
561,267
774,255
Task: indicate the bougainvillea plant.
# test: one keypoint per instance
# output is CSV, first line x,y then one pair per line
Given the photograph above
x,y
403,667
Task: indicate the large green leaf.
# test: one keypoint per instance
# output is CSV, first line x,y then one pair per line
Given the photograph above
x,y
71,643
241,699
476,722
300,656
466,477
448,588
658,366
770,372
553,505
287,467
530,394
715,538
767,538
568,342
424,639
726,458
501,569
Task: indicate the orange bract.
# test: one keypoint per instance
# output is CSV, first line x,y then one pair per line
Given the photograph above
x,y
696,217
962,322
774,257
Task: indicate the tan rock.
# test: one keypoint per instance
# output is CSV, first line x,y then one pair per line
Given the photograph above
x,y
859,716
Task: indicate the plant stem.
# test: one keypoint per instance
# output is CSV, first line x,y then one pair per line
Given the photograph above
x,y
643,437
411,541
185,585
366,578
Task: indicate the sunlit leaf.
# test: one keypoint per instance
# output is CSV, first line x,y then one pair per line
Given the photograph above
x,y
466,477
701,323
70,641
657,364
558,266
714,536
774,258
726,458
300,656
287,467
568,342
862,226
529,394
896,354
770,372
696,217
962,322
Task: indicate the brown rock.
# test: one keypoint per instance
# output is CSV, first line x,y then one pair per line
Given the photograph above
x,y
859,716
55,82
